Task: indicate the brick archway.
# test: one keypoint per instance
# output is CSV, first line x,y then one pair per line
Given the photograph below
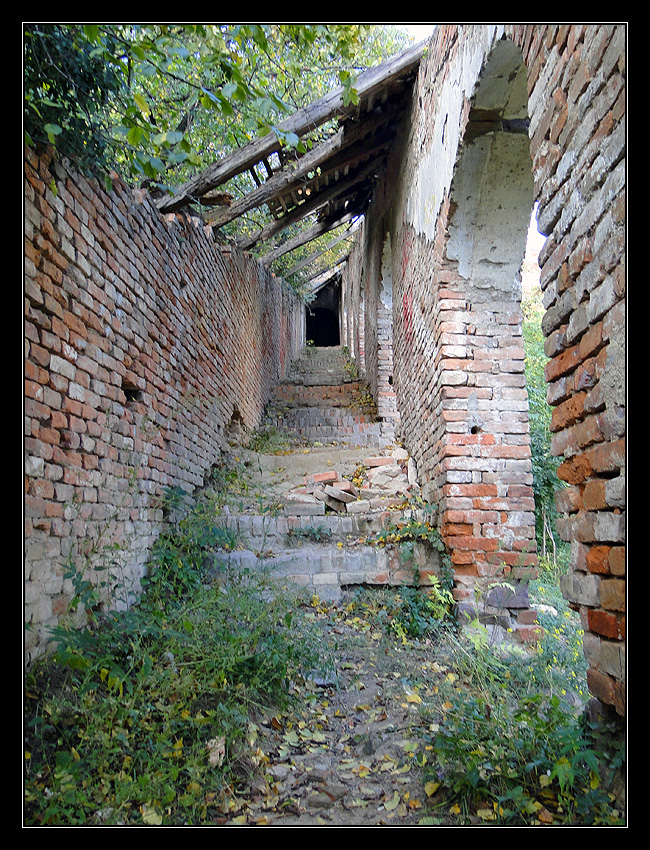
x,y
569,82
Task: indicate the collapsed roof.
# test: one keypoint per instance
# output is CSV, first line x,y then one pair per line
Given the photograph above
x,y
332,182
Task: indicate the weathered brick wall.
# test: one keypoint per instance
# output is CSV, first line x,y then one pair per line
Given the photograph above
x,y
144,340
456,204
578,139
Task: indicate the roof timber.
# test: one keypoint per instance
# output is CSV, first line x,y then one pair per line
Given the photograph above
x,y
373,85
341,151
354,190
315,255
305,237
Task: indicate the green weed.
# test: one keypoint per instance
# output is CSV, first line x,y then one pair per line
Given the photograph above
x,y
510,743
145,717
314,534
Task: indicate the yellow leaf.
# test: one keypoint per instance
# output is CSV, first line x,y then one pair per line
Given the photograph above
x,y
455,809
431,788
413,698
150,816
389,805
486,814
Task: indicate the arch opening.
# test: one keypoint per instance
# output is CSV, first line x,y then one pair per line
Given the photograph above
x,y
485,439
492,188
322,316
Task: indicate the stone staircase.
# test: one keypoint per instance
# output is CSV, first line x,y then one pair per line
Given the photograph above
x,y
327,531
323,401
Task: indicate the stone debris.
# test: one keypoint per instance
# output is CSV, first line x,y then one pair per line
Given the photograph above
x,y
388,480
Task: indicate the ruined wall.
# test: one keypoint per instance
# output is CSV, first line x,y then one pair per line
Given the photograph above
x,y
463,191
144,343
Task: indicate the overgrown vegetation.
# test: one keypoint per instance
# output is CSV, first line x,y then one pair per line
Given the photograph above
x,y
157,101
150,716
146,716
545,480
508,740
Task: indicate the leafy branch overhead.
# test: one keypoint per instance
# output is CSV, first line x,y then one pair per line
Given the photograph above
x,y
159,101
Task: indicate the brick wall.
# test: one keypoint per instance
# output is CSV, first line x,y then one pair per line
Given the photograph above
x,y
144,340
455,200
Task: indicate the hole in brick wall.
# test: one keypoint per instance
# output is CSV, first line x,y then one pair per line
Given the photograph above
x,y
390,380
474,429
131,392
235,428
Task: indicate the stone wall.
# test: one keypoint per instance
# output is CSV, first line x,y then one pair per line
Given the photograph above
x,y
456,201
145,342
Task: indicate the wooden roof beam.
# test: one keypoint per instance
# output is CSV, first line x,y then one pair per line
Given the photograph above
x,y
301,239
350,231
294,176
367,84
314,203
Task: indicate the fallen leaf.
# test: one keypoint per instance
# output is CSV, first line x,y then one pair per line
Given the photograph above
x,y
486,814
545,816
216,751
150,816
431,788
392,804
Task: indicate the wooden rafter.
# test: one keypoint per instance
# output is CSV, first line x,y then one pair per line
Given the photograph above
x,y
350,231
308,235
314,203
369,85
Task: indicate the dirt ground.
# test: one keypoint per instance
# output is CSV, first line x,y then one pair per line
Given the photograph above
x,y
350,757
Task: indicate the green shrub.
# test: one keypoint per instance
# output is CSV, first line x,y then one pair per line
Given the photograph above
x,y
144,716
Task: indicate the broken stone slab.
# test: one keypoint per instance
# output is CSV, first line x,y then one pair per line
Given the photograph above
x,y
380,480
507,596
392,470
387,502
379,461
348,487
301,494
335,504
339,494
358,507
400,454
299,508
320,478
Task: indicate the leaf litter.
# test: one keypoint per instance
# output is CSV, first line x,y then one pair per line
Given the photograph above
x,y
352,755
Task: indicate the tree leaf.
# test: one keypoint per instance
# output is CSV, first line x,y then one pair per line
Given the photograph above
x,y
142,104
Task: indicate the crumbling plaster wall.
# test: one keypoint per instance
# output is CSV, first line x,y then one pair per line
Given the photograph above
x,y
144,341
456,199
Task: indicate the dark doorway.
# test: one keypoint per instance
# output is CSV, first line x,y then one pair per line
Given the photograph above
x,y
322,326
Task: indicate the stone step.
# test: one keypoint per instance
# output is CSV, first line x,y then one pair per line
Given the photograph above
x,y
328,569
276,530
290,394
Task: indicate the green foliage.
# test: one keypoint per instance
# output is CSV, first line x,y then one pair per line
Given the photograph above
x,y
419,612
157,101
405,534
67,88
146,716
509,741
545,480
315,534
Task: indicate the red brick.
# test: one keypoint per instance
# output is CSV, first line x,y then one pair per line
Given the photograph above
x,y
598,559
606,624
